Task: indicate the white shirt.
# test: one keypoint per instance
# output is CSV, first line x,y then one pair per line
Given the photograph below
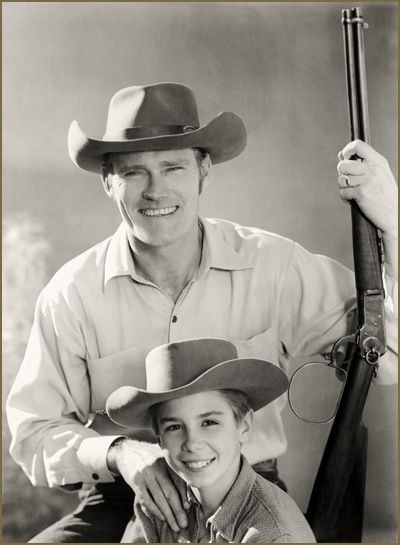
x,y
97,319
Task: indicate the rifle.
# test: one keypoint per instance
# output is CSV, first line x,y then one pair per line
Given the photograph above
x,y
335,510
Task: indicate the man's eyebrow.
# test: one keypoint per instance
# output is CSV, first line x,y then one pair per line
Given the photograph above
x,y
138,166
179,160
132,166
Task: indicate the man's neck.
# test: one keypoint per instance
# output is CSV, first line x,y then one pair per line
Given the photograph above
x,y
169,267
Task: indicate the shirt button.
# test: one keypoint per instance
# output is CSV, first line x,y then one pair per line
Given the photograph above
x,y
95,476
174,319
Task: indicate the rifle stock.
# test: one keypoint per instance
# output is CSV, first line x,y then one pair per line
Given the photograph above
x,y
335,510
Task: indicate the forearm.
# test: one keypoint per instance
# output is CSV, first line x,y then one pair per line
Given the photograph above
x,y
390,245
58,452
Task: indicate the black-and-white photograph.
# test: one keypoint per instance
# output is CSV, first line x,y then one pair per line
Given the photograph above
x,y
200,272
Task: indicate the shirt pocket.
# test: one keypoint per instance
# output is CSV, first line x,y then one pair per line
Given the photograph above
x,y
261,346
125,368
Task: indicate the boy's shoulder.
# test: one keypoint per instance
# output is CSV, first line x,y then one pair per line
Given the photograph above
x,y
274,516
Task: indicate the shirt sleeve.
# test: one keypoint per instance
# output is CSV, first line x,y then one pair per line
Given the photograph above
x,y
49,403
318,304
289,538
264,535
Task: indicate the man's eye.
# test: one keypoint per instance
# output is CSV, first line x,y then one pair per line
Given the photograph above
x,y
174,169
133,173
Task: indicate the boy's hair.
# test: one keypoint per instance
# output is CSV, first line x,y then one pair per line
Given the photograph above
x,y
238,401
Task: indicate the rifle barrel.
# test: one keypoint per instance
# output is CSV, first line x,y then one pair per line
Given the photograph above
x,y
338,473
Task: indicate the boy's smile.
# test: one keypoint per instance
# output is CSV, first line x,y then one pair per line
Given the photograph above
x,y
197,465
201,441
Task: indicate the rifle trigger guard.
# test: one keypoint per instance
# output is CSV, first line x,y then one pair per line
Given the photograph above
x,y
347,339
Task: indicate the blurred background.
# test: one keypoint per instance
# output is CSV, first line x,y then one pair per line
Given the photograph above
x,y
280,66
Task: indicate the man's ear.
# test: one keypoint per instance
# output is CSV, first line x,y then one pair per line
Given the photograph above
x,y
105,178
205,173
246,426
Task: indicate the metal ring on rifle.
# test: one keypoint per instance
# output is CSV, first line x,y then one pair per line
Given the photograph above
x,y
290,400
372,356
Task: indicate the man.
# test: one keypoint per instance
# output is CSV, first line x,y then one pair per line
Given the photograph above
x,y
167,275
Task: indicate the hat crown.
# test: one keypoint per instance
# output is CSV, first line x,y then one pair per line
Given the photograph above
x,y
157,105
174,365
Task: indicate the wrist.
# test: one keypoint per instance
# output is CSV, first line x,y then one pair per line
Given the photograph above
x,y
113,455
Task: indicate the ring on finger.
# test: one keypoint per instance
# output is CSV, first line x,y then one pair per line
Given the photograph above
x,y
346,181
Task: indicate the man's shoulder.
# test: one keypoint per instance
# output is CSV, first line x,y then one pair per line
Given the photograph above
x,y
85,268
246,239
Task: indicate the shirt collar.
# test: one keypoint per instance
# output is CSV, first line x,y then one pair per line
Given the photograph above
x,y
118,260
217,254
225,519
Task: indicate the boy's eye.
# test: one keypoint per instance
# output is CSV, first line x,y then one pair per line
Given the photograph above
x,y
173,427
207,423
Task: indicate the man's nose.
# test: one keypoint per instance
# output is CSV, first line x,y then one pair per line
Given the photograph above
x,y
156,187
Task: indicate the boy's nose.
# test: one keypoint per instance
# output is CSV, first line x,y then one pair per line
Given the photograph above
x,y
192,442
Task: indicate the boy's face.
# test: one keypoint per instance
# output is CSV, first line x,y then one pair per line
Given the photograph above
x,y
201,439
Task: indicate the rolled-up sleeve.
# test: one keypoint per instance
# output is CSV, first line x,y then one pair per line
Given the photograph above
x,y
49,403
318,305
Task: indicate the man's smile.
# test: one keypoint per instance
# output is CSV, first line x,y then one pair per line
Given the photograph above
x,y
158,212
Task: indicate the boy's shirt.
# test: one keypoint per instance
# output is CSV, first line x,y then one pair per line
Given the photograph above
x,y
254,511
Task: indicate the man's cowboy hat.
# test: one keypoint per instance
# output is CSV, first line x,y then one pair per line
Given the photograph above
x,y
187,367
156,117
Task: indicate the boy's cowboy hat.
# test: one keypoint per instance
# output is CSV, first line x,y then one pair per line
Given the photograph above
x,y
156,117
187,367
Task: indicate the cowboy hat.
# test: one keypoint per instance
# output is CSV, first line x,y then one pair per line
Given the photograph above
x,y
156,117
191,366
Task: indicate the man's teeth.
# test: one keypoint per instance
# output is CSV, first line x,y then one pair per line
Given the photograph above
x,y
198,465
158,211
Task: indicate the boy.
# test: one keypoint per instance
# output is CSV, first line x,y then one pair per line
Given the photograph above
x,y
201,414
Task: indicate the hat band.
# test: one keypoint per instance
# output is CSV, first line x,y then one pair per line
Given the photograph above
x,y
148,131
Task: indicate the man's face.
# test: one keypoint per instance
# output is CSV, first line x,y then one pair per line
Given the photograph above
x,y
157,194
201,440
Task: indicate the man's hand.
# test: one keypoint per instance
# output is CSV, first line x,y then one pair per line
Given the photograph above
x,y
370,182
143,467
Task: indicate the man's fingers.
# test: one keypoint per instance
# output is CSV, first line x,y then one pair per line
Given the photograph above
x,y
148,506
171,504
181,487
348,181
348,193
157,504
166,510
362,149
354,168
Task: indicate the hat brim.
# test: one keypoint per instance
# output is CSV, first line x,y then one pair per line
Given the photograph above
x,y
260,380
223,138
